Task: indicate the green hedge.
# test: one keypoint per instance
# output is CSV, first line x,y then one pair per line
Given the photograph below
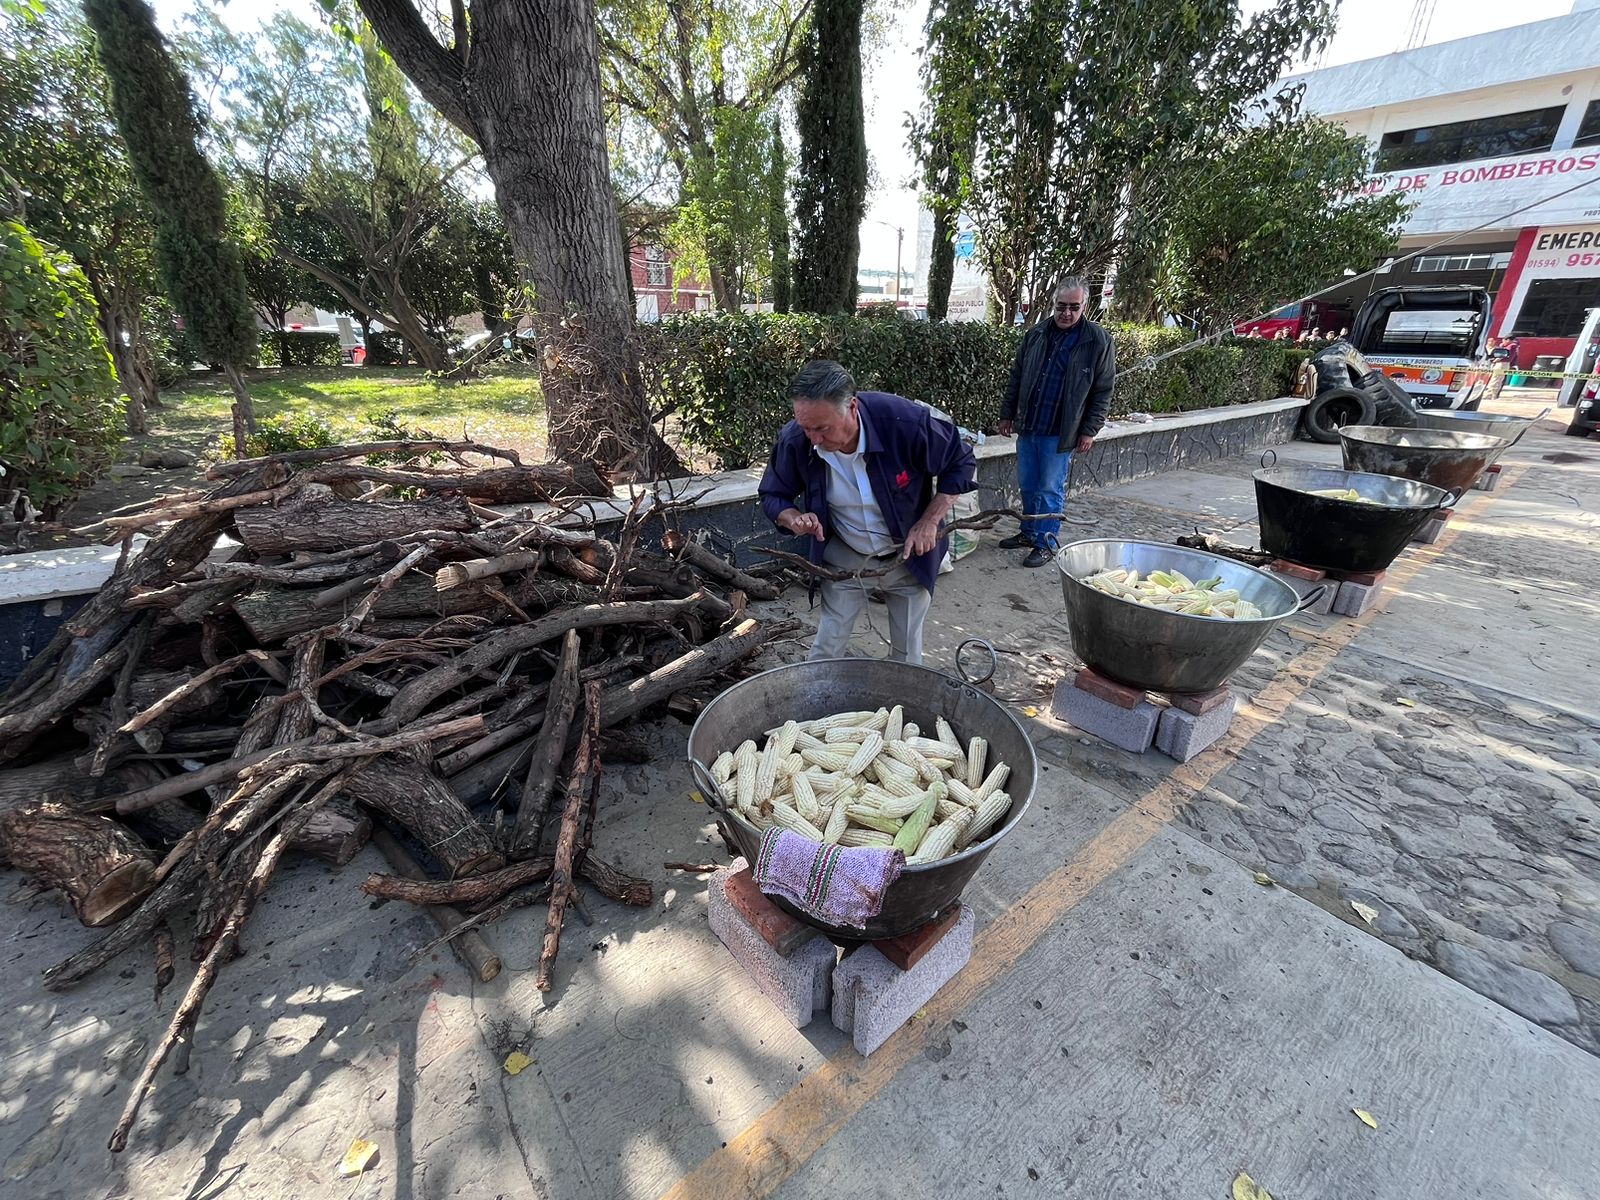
x,y
727,375
300,348
60,410
386,350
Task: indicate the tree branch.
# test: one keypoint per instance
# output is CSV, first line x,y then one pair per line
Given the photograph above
x,y
436,72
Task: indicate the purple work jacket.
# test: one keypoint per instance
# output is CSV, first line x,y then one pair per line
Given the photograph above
x,y
910,452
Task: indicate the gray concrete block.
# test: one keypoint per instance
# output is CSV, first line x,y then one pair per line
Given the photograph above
x,y
799,985
1182,735
1355,598
1429,532
1488,481
1132,729
872,997
1327,588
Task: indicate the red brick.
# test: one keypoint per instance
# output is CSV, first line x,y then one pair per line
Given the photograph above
x,y
778,929
1096,684
1494,470
906,951
1199,703
1284,567
1364,578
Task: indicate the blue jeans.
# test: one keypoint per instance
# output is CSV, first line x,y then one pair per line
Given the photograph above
x,y
1042,475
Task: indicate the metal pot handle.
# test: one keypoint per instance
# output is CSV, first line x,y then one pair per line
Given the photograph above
x,y
994,662
708,785
1265,465
1450,501
1312,597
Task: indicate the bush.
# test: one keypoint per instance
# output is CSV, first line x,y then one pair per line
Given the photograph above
x,y
386,350
281,434
60,410
300,348
727,375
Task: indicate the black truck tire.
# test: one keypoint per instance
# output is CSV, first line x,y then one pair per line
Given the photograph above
x,y
1336,407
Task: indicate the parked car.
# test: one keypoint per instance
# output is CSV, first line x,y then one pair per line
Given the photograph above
x,y
1429,340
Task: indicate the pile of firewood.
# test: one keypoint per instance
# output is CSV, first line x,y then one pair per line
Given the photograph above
x,y
368,652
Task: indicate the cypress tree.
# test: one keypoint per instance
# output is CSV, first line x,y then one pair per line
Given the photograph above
x,y
831,190
941,263
201,268
778,223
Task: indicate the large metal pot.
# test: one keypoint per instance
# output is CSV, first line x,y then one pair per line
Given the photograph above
x,y
1501,425
1157,650
808,690
1452,461
1341,535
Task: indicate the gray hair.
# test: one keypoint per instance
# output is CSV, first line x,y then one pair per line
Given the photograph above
x,y
1073,283
821,380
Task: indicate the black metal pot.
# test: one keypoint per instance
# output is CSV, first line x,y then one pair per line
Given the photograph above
x,y
807,690
1453,461
1341,535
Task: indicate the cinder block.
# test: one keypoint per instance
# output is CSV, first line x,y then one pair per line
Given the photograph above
x,y
1130,729
782,932
1089,680
1182,735
872,997
1304,587
1296,570
1369,578
799,985
1430,529
907,950
1355,598
1200,703
1489,480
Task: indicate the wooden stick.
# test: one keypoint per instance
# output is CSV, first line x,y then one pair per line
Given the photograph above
x,y
627,701
138,642
188,1011
480,889
471,948
196,508
686,549
615,884
166,959
295,458
534,805
178,694
456,574
533,895
585,773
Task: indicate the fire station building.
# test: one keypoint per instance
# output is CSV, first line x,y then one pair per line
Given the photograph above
x,y
1496,139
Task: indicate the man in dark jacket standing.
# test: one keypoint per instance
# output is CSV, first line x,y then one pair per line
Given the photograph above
x,y
1056,402
874,475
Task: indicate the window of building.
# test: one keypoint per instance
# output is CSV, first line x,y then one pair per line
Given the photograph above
x,y
1589,127
656,268
1555,307
1434,263
1465,141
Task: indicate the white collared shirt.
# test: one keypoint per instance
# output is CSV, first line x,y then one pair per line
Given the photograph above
x,y
852,509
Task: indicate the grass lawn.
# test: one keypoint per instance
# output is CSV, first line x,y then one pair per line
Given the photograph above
x,y
502,407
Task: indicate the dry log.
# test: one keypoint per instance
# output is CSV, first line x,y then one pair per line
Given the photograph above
x,y
453,575
615,884
547,752
133,930
166,959
686,549
274,613
322,454
319,521
405,791
296,719
219,889
331,571
497,647
1213,544
581,790
491,485
335,834
480,889
64,778
96,863
626,701
470,947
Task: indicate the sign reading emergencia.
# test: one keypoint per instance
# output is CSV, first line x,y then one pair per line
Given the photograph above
x,y
1464,195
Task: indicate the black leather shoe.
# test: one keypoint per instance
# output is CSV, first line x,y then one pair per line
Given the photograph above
x,y
1037,557
1016,541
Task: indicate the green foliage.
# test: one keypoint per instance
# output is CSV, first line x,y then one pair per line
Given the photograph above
x,y
300,348
282,433
385,350
831,187
1284,218
778,222
727,375
200,265
59,411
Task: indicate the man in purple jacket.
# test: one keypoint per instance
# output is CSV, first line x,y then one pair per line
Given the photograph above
x,y
874,475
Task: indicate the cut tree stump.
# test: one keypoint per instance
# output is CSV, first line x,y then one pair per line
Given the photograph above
x,y
104,871
408,793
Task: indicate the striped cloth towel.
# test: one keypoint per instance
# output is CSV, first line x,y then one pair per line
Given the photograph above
x,y
836,885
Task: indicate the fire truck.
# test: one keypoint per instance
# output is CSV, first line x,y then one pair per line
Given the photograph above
x,y
1314,316
1426,339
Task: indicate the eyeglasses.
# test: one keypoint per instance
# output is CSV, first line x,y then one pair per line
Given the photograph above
x,y
1064,307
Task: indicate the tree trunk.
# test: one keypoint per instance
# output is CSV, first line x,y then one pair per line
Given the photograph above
x,y
402,789
335,834
942,266
122,358
102,868
244,411
323,522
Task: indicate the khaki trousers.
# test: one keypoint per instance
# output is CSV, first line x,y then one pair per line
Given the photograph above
x,y
843,602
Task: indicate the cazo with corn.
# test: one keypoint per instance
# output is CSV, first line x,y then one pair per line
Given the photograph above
x,y
1174,592
869,779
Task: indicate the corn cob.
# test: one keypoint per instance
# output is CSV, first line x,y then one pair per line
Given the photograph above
x,y
910,835
821,725
745,788
846,733
977,754
870,749
948,737
879,721
722,769
902,752
909,730
789,766
865,837
785,817
937,842
787,737
838,822
808,741
805,795
898,807
826,783
892,731
948,808
767,773
874,818
984,819
826,759
992,782
962,794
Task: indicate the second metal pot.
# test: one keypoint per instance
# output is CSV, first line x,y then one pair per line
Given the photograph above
x,y
1341,535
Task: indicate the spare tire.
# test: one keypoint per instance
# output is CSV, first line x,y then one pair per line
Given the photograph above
x,y
1336,407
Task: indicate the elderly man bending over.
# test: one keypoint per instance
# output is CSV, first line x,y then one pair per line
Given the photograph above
x,y
869,477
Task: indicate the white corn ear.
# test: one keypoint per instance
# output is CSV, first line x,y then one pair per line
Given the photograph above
x,y
909,730
767,773
722,769
826,759
870,749
846,733
787,818
902,752
892,731
962,794
977,756
787,737
838,822
789,766
993,781
865,837
936,843
805,795
984,819
804,740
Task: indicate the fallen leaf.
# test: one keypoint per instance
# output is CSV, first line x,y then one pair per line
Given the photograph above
x,y
1366,1118
1264,879
1030,710
696,796
1245,1188
1403,702
1365,911
517,1062
358,1158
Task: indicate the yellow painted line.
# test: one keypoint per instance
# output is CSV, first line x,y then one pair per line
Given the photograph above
x,y
780,1141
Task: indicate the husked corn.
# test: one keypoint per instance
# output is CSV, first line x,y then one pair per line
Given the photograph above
x,y
767,773
977,753
870,750
910,835
745,790
722,769
896,724
826,759
948,808
821,725
892,806
787,737
962,794
984,819
787,818
838,822
789,765
846,733
902,752
865,837
993,781
804,794
909,730
872,817
936,843
808,741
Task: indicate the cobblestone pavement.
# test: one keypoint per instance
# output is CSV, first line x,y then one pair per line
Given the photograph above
x,y
1441,772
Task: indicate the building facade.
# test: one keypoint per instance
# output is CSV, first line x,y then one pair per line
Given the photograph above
x,y
652,267
1496,141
